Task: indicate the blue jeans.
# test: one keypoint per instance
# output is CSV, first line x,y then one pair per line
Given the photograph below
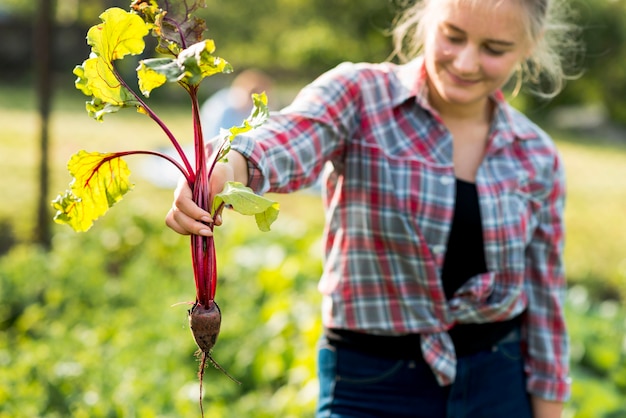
x,y
489,384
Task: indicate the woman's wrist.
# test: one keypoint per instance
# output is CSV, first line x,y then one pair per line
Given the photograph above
x,y
239,165
543,408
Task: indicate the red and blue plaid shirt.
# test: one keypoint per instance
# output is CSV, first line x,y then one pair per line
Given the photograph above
x,y
389,197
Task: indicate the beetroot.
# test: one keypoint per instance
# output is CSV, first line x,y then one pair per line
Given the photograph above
x,y
100,180
205,325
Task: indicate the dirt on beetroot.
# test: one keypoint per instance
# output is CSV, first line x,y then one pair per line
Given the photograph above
x,y
205,323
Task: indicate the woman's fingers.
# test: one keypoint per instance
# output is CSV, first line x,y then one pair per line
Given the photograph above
x,y
185,217
180,222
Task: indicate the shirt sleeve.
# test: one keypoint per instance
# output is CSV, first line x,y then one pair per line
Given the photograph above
x,y
547,361
289,151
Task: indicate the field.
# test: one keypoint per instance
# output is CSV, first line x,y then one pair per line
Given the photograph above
x,y
89,329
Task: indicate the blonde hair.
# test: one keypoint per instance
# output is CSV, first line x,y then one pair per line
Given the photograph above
x,y
555,40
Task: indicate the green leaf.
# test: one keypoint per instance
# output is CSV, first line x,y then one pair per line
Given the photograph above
x,y
100,181
82,83
258,116
199,62
260,112
149,9
174,26
190,67
266,218
155,72
96,78
245,201
121,33
96,108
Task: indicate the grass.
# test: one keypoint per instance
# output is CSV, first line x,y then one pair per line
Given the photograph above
x,y
594,215
596,175
70,130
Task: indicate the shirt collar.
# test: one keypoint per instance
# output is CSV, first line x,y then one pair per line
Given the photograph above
x,y
506,122
508,119
412,80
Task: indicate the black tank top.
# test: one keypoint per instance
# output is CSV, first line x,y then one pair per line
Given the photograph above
x,y
465,257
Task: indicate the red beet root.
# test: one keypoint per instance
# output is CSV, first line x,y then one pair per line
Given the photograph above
x,y
205,325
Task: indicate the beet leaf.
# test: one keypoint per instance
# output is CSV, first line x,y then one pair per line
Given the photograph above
x,y
100,180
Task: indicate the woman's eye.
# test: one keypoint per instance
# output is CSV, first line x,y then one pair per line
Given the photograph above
x,y
494,51
455,39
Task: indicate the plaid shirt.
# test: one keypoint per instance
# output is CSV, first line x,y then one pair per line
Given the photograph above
x,y
389,196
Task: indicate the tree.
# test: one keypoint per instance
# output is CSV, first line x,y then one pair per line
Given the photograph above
x,y
43,54
300,38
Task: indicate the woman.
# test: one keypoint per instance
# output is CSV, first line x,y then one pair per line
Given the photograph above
x,y
443,282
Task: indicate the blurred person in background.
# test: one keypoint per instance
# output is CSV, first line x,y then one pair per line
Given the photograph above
x,y
226,108
443,283
229,106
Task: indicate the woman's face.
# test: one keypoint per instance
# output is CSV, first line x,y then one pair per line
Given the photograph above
x,y
471,49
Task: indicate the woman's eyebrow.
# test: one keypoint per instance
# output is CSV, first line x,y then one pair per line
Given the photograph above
x,y
492,41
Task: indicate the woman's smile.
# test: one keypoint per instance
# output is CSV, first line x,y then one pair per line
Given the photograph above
x,y
463,81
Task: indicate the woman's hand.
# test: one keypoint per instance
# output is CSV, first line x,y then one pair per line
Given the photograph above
x,y
185,217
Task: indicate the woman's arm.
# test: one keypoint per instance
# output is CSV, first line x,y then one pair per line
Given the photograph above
x,y
546,409
547,340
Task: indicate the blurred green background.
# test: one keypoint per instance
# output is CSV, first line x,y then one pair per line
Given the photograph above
x,y
94,325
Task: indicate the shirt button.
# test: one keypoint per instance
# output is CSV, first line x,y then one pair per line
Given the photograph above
x,y
446,180
438,249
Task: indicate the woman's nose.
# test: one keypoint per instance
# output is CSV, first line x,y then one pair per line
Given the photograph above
x,y
466,61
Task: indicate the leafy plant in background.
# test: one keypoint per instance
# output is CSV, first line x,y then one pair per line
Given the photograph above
x,y
101,179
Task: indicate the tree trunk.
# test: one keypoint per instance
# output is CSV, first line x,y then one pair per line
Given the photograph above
x,y
43,74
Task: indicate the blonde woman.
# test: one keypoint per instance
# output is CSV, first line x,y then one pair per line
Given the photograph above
x,y
443,281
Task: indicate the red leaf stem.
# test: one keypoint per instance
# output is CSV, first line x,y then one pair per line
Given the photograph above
x,y
202,248
189,170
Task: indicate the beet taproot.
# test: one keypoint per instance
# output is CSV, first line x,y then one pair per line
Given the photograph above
x,y
205,325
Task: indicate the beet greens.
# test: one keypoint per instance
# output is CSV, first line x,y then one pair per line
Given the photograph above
x,y
101,179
